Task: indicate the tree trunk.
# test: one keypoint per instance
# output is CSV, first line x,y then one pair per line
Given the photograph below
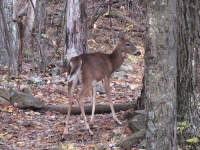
x,y
160,75
30,24
189,71
9,32
76,34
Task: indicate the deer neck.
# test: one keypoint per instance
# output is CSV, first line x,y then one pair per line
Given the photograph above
x,y
116,58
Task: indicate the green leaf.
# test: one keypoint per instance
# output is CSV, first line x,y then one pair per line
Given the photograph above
x,y
192,140
106,14
71,146
184,123
44,35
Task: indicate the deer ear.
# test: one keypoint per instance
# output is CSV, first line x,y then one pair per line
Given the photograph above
x,y
121,36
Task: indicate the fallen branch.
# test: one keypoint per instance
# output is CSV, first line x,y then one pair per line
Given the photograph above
x,y
117,14
137,31
100,108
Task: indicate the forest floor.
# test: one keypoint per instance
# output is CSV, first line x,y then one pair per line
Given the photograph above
x,y
38,130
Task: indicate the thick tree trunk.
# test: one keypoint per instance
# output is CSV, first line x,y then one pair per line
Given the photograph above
x,y
160,75
76,34
189,70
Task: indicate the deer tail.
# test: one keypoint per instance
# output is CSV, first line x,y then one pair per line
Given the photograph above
x,y
74,69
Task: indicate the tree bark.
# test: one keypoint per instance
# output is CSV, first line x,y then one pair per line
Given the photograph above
x,y
76,34
189,71
160,75
10,33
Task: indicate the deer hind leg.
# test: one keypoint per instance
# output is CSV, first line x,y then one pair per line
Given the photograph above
x,y
71,87
107,88
93,103
81,97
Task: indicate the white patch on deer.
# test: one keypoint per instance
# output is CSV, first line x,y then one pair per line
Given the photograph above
x,y
76,76
95,83
123,54
80,76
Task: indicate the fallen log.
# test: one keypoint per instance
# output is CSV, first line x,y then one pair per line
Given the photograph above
x,y
117,14
136,30
100,108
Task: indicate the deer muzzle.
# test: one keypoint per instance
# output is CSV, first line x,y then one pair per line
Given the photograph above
x,y
137,53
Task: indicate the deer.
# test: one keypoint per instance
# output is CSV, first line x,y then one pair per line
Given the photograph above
x,y
89,69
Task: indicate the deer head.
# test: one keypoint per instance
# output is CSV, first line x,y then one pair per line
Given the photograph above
x,y
126,46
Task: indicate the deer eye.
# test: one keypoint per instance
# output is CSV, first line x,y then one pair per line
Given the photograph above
x,y
128,44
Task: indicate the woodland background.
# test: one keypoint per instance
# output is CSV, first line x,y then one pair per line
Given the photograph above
x,y
41,46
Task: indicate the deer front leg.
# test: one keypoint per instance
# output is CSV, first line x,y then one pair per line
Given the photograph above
x,y
107,88
93,103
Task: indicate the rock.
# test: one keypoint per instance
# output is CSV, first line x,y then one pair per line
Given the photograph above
x,y
26,101
57,148
128,115
142,145
130,141
58,80
126,67
34,80
55,71
100,89
141,112
120,74
5,94
26,90
101,146
3,100
137,123
119,86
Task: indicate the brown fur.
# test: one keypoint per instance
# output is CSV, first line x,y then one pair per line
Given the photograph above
x,y
93,67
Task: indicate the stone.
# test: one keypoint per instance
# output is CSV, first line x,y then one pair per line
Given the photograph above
x,y
34,80
130,141
126,67
26,101
142,145
5,94
55,71
100,89
26,90
101,146
3,100
57,148
137,123
120,74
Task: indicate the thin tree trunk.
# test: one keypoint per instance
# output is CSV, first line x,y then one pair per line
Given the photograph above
x,y
9,30
43,62
76,34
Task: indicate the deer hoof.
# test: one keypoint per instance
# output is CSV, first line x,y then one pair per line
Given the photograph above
x,y
63,136
118,121
91,123
91,133
66,131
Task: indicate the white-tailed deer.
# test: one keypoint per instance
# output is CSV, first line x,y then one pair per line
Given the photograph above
x,y
88,69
